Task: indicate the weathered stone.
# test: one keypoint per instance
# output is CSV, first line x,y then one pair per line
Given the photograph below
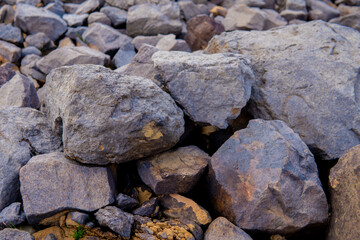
x,y
76,218
71,55
351,20
116,15
7,14
149,208
51,183
28,67
179,207
75,33
265,178
56,7
24,132
33,20
115,219
9,52
98,17
221,228
5,75
200,30
127,117
320,10
88,6
293,14
124,55
190,9
125,202
138,41
19,92
242,17
344,186
30,2
40,41
75,20
273,19
12,215
345,10
151,19
126,4
15,234
290,79
10,34
66,42
30,51
295,5
223,91
170,43
105,38
175,171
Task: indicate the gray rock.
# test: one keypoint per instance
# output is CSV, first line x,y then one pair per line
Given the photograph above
x,y
12,215
52,237
51,183
69,56
345,10
10,34
242,17
40,41
295,5
28,67
5,74
19,92
223,91
105,38
250,3
320,10
293,14
126,4
70,1
30,2
138,41
7,14
115,219
127,117
174,171
9,52
221,228
74,33
273,19
33,20
281,191
349,2
125,202
56,7
170,43
116,15
149,208
75,20
124,55
190,9
71,8
88,6
351,20
151,19
30,51
98,17
24,132
15,234
292,86
79,217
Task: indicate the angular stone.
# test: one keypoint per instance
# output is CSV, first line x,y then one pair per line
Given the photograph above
x,y
51,183
320,10
170,43
10,34
12,215
293,14
290,78
242,17
15,234
223,91
40,41
71,8
28,67
9,52
75,20
30,51
200,30
174,171
265,178
149,208
71,55
127,117
345,10
351,20
74,33
125,202
87,6
190,9
221,228
98,17
124,55
179,207
24,132
138,41
5,75
76,218
151,19
56,7
7,14
19,92
273,19
30,2
126,4
66,42
115,219
295,5
105,38
33,20
116,15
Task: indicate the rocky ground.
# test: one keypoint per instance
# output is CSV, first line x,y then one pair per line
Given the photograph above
x,y
160,119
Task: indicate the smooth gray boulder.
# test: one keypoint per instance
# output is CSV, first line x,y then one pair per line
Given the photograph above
x,y
151,19
12,215
24,132
116,15
212,89
32,20
306,75
10,34
9,52
19,92
40,41
52,183
71,55
98,17
30,51
221,228
15,234
106,117
264,178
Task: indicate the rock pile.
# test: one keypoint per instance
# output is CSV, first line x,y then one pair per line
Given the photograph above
x,y
195,119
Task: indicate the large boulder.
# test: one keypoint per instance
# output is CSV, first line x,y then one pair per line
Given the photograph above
x,y
307,75
212,89
344,188
24,132
264,178
52,183
33,20
105,117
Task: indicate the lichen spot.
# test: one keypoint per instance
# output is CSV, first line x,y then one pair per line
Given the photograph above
x,y
101,147
235,111
334,183
151,131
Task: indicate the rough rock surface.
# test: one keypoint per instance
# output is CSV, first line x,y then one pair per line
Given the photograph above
x,y
125,202
174,171
15,234
265,178
351,20
28,67
5,75
221,228
149,208
10,34
40,41
24,132
12,215
105,117
344,186
212,89
116,15
9,52
318,101
51,183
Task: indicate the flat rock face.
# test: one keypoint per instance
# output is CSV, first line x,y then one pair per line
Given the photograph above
x,y
212,89
15,234
24,132
175,171
105,117
51,183
344,188
221,228
9,52
307,75
10,34
33,20
264,178
151,19
70,56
